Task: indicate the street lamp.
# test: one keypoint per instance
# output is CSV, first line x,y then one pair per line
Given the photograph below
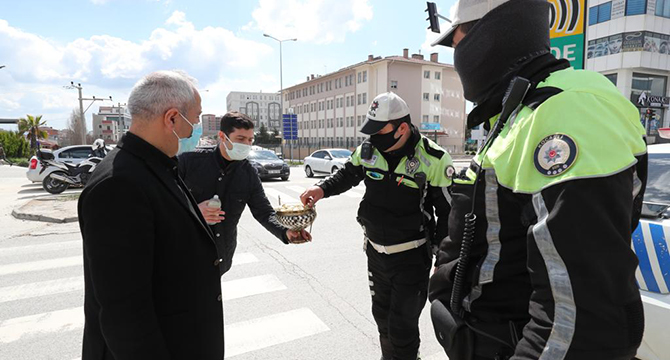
x,y
281,87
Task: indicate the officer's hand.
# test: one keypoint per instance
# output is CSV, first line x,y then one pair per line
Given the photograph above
x,y
311,196
298,237
211,215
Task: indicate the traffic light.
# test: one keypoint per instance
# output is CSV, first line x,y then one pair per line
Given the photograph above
x,y
433,17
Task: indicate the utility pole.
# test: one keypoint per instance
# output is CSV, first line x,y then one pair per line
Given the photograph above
x,y
82,112
122,122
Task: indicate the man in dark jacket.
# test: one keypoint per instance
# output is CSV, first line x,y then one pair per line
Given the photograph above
x,y
152,285
224,171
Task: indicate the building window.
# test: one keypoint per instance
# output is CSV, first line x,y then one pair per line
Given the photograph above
x,y
635,7
394,84
436,118
438,75
426,74
612,78
436,97
425,118
359,99
360,77
365,98
426,96
365,76
663,8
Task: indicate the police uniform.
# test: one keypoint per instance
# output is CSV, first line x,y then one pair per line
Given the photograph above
x,y
403,213
558,192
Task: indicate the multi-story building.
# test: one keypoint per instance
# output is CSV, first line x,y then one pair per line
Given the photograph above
x,y
629,42
210,125
110,123
332,108
263,108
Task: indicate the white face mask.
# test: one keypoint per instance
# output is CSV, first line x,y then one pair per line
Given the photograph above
x,y
239,151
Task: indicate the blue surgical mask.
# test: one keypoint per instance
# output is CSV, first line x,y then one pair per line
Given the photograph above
x,y
189,143
239,151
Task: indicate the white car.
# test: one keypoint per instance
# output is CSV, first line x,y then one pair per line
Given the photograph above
x,y
70,154
651,241
326,161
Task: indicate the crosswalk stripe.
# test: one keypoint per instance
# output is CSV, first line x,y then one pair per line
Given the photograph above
x,y
438,356
264,332
32,249
41,265
353,194
244,258
43,288
274,194
298,189
237,289
33,325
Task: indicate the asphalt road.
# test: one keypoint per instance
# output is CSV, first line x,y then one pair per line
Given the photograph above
x,y
306,301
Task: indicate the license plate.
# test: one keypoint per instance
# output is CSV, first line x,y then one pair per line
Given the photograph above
x,y
274,171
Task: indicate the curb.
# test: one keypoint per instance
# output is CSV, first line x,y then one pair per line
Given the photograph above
x,y
35,217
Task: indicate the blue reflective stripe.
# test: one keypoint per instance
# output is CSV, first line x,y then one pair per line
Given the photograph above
x,y
643,257
662,255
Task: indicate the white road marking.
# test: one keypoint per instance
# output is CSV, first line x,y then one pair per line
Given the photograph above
x,y
42,288
33,249
256,334
244,258
40,324
237,289
41,265
274,194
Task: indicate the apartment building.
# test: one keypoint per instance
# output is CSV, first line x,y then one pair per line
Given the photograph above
x,y
263,108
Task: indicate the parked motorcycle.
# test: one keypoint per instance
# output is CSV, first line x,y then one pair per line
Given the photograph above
x,y
70,175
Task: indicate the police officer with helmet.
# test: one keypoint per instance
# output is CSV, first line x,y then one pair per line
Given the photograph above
x,y
403,214
538,264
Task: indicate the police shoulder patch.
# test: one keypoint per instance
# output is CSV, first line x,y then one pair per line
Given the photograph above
x,y
555,154
449,171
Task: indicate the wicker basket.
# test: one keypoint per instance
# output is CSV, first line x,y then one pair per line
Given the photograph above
x,y
296,220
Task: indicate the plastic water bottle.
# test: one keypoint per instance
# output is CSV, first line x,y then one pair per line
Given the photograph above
x,y
214,203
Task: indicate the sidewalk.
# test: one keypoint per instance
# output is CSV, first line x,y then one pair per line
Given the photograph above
x,y
55,209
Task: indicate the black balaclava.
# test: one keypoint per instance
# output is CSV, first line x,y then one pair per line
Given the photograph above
x,y
499,46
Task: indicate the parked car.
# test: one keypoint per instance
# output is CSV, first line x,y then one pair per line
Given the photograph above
x,y
70,154
269,165
326,161
651,241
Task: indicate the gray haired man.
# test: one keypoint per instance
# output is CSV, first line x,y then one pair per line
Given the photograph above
x,y
151,268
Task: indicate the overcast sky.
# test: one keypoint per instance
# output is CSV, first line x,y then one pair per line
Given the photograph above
x,y
107,45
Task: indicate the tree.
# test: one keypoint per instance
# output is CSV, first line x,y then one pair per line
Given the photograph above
x,y
14,145
73,131
30,126
263,136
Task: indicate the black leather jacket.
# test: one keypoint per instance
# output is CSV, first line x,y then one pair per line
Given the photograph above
x,y
237,185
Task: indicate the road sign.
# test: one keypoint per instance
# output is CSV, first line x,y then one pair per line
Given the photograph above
x,y
567,30
430,126
290,127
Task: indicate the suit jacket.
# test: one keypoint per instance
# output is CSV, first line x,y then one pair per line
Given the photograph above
x,y
151,269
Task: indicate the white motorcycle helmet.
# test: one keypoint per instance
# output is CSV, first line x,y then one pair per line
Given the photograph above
x,y
98,144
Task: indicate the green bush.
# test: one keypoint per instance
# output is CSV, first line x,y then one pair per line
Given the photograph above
x,y
23,162
15,146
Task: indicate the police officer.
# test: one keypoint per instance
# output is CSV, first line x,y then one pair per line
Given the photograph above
x,y
406,177
539,264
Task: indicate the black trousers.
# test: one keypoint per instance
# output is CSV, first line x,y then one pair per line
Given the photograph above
x,y
399,289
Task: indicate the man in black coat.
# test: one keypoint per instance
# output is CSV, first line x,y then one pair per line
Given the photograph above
x,y
151,269
224,171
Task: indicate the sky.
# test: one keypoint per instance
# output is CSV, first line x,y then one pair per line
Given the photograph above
x,y
108,45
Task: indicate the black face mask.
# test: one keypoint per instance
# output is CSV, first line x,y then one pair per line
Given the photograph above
x,y
384,142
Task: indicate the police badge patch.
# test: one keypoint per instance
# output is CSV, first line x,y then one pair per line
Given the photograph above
x,y
449,172
555,154
412,165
